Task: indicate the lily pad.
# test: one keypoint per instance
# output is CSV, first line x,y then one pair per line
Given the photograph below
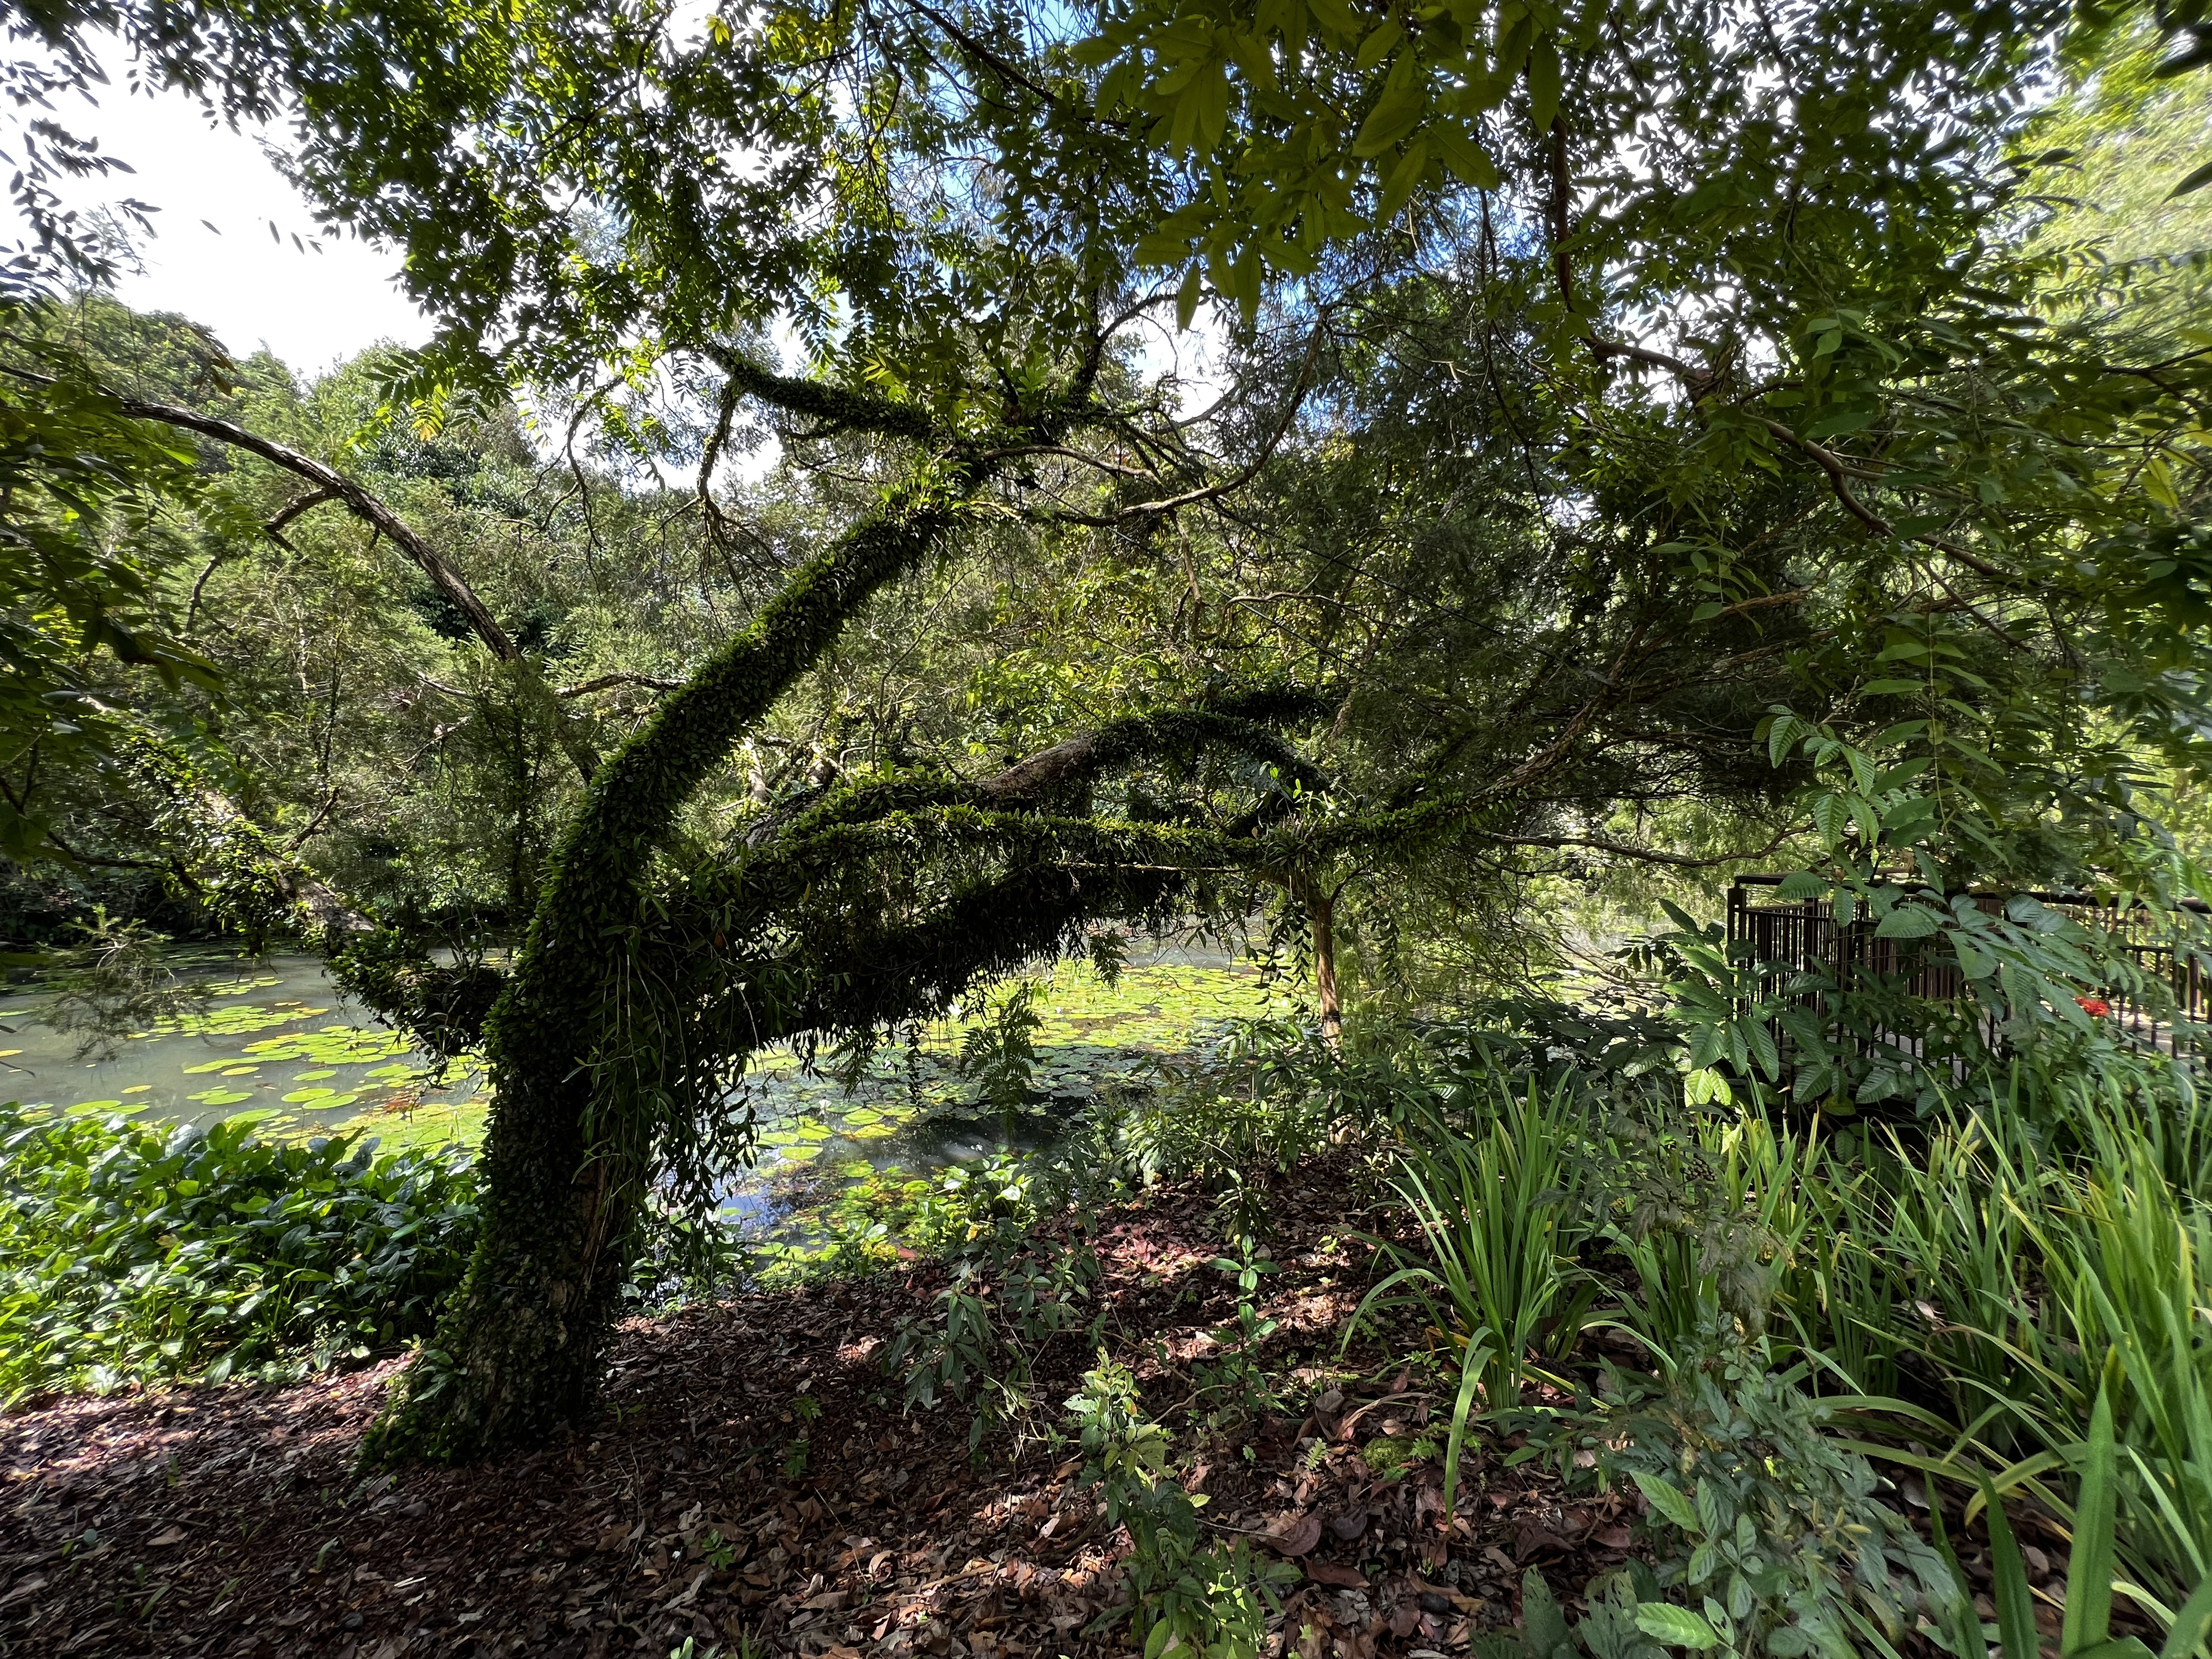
x,y
237,1120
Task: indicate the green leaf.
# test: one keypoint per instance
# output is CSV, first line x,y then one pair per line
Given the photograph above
x,y
1541,1616
1477,1354
1394,115
2089,1569
2196,181
1667,1499
1378,43
1973,962
2009,1582
1966,1632
1830,815
1398,189
1676,1626
1464,157
1760,1041
1543,82
2191,1624
1908,921
1159,248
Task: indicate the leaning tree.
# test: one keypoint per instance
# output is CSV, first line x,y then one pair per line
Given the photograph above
x,y
1772,357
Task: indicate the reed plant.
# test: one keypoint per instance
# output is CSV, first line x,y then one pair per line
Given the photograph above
x,y
2128,1329
1493,1272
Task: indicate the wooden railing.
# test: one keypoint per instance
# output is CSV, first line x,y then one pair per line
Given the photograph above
x,y
1801,937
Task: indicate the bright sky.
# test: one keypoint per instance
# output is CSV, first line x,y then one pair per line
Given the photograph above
x,y
310,308
214,259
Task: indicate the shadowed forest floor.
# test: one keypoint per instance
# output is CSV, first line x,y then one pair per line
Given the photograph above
x,y
231,1520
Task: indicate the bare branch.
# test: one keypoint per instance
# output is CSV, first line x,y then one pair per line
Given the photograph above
x,y
983,54
334,485
1645,855
274,528
608,682
1227,486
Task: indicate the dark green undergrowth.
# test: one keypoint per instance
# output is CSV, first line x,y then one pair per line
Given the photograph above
x,y
136,1254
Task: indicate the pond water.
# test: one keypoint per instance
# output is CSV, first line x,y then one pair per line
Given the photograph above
x,y
275,1038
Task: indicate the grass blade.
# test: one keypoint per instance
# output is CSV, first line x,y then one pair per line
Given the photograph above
x,y
1476,1356
2089,1567
2009,1583
2190,1625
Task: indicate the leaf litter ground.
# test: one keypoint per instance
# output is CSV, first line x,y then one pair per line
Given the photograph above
x,y
232,1520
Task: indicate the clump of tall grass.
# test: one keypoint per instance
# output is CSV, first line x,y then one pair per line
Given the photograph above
x,y
1493,1272
2028,1260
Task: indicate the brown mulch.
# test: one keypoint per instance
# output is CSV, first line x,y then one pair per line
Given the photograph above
x,y
233,1521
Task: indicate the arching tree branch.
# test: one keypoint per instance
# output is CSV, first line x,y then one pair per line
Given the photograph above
x,y
333,485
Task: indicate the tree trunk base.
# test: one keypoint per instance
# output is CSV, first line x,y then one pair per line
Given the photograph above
x,y
518,1354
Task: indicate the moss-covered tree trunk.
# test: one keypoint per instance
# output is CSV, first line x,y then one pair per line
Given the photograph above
x,y
564,1167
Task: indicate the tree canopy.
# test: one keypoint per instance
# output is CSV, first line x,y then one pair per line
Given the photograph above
x,y
1628,414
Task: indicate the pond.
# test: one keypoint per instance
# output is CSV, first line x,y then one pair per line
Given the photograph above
x,y
276,1039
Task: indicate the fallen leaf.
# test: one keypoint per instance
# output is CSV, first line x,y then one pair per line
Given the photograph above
x,y
1614,1538
166,1537
1329,1572
1294,1537
1533,1538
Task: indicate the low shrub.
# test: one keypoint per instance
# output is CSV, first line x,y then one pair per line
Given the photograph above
x,y
1767,1533
131,1253
1208,1597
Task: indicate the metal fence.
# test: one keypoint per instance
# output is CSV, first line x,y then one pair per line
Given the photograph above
x,y
1803,937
